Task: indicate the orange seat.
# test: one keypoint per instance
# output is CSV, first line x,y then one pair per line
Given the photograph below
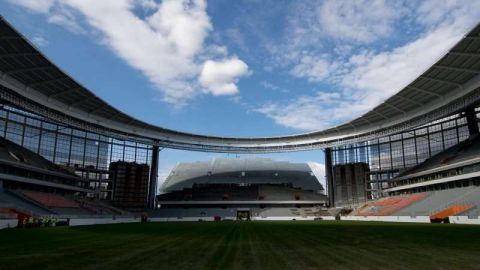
x,y
388,206
452,211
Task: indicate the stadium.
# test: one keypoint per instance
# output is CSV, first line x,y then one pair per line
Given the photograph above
x,y
78,180
263,190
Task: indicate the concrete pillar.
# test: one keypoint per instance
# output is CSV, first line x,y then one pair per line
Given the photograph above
x,y
329,177
152,192
472,121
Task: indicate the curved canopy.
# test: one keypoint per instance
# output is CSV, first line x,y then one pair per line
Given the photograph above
x,y
32,81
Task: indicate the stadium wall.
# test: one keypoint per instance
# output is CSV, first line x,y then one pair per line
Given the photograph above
x,y
163,219
464,220
282,218
8,223
97,221
87,153
388,156
417,219
173,219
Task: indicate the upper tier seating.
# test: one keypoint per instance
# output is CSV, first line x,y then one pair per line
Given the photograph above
x,y
280,193
463,151
215,193
245,193
212,193
12,152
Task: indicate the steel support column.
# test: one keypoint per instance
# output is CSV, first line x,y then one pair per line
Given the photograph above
x,y
329,177
471,121
153,178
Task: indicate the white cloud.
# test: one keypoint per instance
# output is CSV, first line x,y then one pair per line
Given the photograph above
x,y
313,68
314,26
274,87
367,80
360,20
363,21
65,17
167,46
37,6
378,76
56,13
220,77
453,13
184,25
306,112
40,41
148,4
367,77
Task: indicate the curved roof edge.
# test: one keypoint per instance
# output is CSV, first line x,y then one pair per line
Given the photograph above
x,y
35,83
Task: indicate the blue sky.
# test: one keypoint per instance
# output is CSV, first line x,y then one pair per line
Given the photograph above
x,y
243,68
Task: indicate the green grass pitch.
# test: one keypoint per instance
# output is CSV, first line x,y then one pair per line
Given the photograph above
x,y
243,245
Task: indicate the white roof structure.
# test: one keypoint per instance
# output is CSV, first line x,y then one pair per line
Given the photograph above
x,y
30,80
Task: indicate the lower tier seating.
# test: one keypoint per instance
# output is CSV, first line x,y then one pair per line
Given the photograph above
x,y
441,199
450,202
452,211
50,200
388,206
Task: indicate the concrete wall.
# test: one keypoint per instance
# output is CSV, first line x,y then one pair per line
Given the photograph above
x,y
94,221
418,219
4,223
282,218
464,220
165,219
8,223
328,218
12,223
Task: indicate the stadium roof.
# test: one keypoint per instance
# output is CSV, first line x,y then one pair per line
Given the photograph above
x,y
237,171
31,81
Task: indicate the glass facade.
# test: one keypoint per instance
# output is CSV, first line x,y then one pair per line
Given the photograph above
x,y
389,156
89,154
